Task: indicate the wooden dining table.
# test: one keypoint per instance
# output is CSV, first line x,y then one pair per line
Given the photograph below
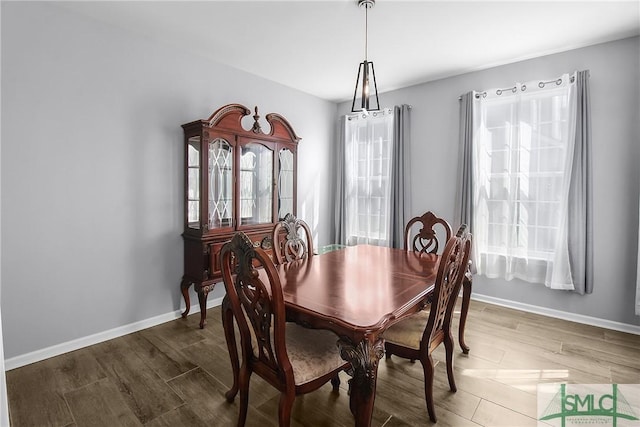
x,y
356,292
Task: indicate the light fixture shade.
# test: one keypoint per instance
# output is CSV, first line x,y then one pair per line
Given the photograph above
x,y
365,87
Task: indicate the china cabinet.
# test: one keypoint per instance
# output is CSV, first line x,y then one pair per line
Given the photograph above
x,y
236,177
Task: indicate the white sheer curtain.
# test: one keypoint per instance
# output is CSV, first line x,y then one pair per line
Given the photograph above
x,y
523,142
367,171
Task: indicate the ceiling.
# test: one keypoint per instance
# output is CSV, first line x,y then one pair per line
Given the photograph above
x,y
316,46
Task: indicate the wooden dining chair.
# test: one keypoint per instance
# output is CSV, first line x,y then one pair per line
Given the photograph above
x,y
421,233
428,233
288,243
293,359
417,336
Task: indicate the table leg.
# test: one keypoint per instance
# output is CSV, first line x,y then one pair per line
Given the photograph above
x,y
184,288
364,358
466,298
227,324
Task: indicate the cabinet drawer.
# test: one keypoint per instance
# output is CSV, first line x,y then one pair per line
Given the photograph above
x,y
260,240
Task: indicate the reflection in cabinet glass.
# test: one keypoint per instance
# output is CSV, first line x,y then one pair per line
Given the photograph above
x,y
220,183
235,179
286,179
193,182
256,178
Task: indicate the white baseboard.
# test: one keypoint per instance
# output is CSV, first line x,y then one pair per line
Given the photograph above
x,y
45,353
573,317
55,350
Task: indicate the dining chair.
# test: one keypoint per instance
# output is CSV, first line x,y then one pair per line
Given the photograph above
x,y
288,243
428,233
292,241
293,359
417,336
421,233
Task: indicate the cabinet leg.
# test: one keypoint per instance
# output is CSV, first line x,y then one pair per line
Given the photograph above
x,y
184,287
202,299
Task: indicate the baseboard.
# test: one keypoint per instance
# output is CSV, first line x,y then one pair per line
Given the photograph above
x,y
578,318
45,353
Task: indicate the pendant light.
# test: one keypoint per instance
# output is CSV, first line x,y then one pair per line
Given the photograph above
x,y
364,85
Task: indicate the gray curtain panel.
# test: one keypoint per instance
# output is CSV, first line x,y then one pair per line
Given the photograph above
x,y
580,230
340,214
464,208
400,174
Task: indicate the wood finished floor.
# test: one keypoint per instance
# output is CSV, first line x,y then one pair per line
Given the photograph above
x,y
175,374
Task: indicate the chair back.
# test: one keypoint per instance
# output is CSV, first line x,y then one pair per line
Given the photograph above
x,y
258,307
451,272
288,244
426,238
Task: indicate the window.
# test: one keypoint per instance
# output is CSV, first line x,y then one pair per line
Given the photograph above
x,y
368,155
523,150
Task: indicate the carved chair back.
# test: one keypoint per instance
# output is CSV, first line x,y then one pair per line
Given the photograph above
x,y
288,243
426,239
451,272
258,307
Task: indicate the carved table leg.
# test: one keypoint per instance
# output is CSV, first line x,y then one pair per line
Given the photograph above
x,y
364,358
227,324
466,298
184,287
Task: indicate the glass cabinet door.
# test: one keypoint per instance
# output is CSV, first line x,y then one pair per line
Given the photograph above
x,y
193,182
220,184
285,183
256,184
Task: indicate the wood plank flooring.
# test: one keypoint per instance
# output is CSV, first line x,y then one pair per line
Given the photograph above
x,y
175,374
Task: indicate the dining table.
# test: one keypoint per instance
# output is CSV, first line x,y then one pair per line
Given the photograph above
x,y
357,292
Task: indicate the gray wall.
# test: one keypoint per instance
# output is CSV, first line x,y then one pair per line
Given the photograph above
x,y
615,99
92,170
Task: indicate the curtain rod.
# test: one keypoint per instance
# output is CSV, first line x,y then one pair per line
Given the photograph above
x,y
513,89
375,113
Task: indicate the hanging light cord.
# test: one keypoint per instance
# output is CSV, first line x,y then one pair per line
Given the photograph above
x,y
365,70
366,30
366,4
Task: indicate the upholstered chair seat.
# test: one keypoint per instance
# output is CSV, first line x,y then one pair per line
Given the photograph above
x,y
408,332
312,352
